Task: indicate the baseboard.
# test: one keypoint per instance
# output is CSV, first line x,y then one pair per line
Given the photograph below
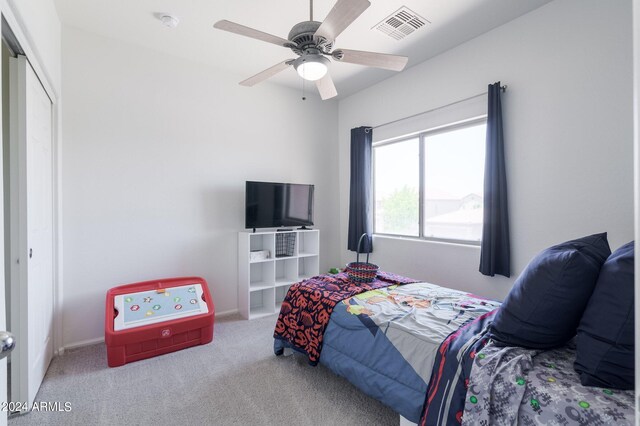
x,y
80,344
226,313
90,342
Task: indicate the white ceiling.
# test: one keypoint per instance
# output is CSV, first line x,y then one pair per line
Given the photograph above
x,y
136,21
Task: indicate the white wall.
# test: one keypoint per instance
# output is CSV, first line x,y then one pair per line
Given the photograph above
x,y
156,153
568,131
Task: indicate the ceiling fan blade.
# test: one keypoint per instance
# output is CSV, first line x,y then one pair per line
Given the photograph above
x,y
269,72
371,59
344,12
232,27
326,87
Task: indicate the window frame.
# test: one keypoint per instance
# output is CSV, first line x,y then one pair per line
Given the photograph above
x,y
422,135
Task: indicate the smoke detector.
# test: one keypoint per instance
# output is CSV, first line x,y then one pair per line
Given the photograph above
x,y
169,20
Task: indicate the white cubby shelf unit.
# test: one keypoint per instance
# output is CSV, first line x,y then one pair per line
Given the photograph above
x,y
263,282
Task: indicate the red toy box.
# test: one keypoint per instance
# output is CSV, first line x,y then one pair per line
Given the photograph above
x,y
157,317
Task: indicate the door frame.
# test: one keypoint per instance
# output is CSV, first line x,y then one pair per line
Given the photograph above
x,y
28,46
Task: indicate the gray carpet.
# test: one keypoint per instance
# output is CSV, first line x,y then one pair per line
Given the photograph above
x,y
235,380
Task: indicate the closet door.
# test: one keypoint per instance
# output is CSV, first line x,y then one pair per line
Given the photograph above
x,y
32,287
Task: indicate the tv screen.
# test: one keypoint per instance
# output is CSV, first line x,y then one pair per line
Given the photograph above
x,y
271,204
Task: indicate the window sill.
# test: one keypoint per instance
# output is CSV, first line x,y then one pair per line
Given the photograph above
x,y
457,243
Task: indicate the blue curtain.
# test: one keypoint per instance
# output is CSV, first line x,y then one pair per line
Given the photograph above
x,y
361,195
495,255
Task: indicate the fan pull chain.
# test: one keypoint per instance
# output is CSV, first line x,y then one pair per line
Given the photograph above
x,y
304,98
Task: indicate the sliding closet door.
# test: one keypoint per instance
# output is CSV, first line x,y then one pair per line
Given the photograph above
x,y
4,112
32,221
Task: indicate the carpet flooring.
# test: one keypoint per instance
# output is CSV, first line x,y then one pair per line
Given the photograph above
x,y
235,380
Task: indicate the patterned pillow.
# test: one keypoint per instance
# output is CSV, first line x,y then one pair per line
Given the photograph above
x,y
544,307
605,342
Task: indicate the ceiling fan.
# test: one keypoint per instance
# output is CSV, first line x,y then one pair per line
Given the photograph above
x,y
313,42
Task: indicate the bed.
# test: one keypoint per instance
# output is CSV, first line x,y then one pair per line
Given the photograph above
x,y
424,351
531,387
476,381
385,340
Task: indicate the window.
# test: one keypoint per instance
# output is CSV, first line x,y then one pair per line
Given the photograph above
x,y
396,188
430,185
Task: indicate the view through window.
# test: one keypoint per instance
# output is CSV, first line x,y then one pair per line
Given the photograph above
x,y
431,185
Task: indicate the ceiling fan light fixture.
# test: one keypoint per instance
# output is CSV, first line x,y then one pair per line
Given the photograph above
x,y
312,66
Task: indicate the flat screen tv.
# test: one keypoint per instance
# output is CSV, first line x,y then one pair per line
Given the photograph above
x,y
271,204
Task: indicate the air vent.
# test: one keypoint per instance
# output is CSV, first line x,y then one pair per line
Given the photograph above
x,y
401,23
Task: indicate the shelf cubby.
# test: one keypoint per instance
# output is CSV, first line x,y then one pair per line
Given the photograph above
x,y
262,302
308,244
263,283
307,267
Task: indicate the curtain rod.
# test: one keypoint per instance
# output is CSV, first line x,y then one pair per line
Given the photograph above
x,y
502,88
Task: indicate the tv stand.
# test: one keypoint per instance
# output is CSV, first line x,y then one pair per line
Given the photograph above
x,y
304,228
264,282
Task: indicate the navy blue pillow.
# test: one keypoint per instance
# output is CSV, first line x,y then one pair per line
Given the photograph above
x,y
605,355
544,307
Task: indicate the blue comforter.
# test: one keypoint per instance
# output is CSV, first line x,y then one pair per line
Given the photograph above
x,y
385,341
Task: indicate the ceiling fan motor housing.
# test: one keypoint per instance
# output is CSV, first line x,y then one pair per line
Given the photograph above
x,y
302,38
